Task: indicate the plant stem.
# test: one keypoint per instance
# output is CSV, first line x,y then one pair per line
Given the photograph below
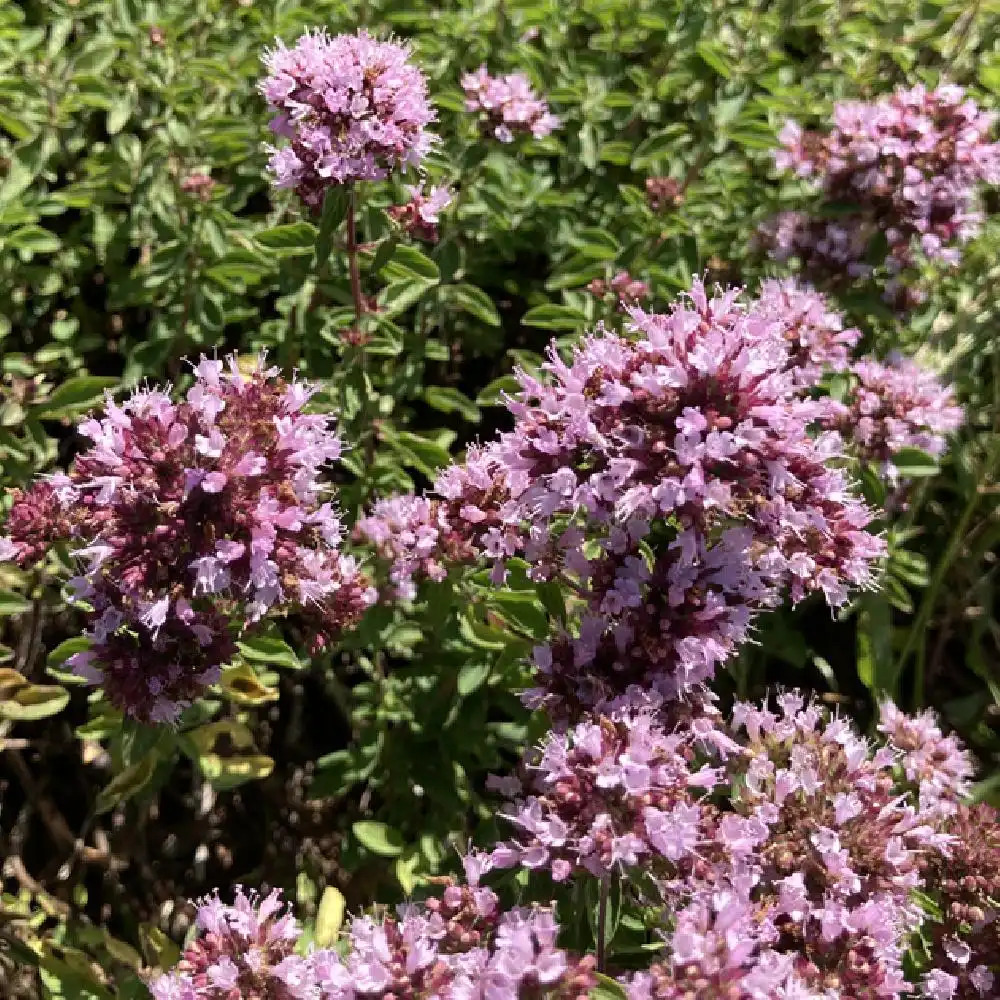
x,y
914,643
602,920
352,256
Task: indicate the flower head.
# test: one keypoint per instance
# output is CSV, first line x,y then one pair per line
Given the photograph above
x,y
670,475
351,107
508,104
194,520
894,405
909,162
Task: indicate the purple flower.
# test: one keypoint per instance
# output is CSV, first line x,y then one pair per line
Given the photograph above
x,y
508,105
353,109
910,163
815,332
193,521
894,405
421,214
243,950
671,480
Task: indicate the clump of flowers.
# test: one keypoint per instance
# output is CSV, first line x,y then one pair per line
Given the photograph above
x,y
421,214
964,884
669,478
663,193
910,162
785,848
192,521
244,950
352,108
610,792
508,104
817,338
413,536
891,406
456,946
830,251
938,765
627,290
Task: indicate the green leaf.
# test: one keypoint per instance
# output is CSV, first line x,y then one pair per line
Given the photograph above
x,y
74,396
242,685
420,452
34,701
271,651
13,604
226,753
876,665
378,838
407,262
554,317
471,677
399,296
607,988
913,463
449,400
597,244
713,55
97,57
335,204
33,239
292,238
329,917
474,301
127,784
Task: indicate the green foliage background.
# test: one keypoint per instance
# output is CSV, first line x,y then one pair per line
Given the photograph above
x,y
364,768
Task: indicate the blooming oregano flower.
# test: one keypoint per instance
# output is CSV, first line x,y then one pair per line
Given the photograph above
x,y
669,475
245,950
456,946
508,104
909,162
192,522
352,108
894,405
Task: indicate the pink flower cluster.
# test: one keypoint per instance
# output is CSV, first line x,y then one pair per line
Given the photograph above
x,y
628,291
908,164
817,339
421,214
508,104
246,950
610,793
784,846
670,480
193,521
455,947
964,940
891,406
353,109
413,536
